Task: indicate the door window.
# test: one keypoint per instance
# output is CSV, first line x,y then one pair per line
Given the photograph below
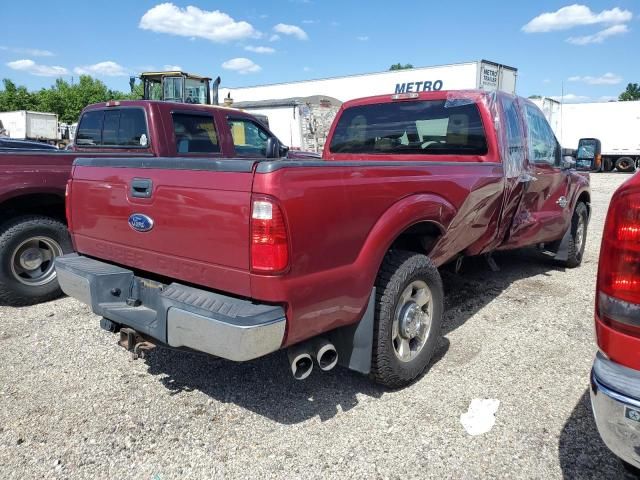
x,y
249,138
542,143
195,133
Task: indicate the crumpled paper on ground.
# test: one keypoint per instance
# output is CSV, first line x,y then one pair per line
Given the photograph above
x,y
481,416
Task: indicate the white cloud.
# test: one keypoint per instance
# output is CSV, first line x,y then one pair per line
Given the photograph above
x,y
573,16
33,68
191,21
274,38
606,79
362,38
306,69
32,52
251,48
173,68
571,98
546,80
600,36
309,22
292,30
241,65
105,69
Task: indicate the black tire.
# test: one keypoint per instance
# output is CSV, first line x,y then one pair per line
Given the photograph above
x,y
625,164
609,165
399,270
632,470
576,244
12,235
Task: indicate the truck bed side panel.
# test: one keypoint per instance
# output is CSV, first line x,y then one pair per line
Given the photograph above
x,y
338,210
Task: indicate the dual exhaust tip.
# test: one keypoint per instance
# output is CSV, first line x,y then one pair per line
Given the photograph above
x,y
301,357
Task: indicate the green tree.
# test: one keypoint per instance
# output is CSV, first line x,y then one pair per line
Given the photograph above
x,y
631,93
62,98
399,66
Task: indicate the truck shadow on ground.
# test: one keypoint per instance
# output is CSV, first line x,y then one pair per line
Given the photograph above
x,y
265,386
582,452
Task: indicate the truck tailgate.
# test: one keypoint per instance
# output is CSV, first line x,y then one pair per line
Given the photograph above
x,y
186,219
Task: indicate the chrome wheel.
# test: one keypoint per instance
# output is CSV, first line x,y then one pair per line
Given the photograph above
x,y
580,234
32,261
412,321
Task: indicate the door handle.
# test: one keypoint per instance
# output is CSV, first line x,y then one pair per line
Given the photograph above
x,y
141,187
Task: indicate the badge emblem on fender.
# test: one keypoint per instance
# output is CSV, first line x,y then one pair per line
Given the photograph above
x,y
140,222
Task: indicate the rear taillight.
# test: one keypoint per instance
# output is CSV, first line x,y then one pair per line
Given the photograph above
x,y
269,242
618,297
67,203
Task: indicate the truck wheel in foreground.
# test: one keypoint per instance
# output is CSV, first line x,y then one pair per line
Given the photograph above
x,y
28,246
578,239
408,317
625,164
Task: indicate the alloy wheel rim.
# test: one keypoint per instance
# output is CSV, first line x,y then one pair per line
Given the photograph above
x,y
32,262
412,321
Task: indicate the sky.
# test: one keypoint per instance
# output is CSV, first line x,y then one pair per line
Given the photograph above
x,y
587,50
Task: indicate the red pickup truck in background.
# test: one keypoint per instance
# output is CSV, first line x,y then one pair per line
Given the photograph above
x,y
336,259
32,192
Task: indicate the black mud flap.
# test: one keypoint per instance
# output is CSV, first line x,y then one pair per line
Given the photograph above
x,y
354,343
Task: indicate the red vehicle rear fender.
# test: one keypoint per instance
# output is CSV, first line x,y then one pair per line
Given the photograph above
x,y
398,219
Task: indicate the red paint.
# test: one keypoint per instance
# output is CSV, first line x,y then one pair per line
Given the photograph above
x,y
340,221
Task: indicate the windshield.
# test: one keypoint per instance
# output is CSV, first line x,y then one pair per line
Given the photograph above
x,y
195,91
420,127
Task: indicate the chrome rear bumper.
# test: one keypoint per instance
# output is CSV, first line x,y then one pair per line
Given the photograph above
x,y
615,400
178,315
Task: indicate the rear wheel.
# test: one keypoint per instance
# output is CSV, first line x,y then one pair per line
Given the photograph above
x,y
28,248
578,239
409,306
626,165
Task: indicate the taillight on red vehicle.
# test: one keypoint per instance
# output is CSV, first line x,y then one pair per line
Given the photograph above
x,y
269,241
618,296
67,203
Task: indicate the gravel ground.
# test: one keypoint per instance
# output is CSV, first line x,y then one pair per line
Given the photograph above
x,y
75,405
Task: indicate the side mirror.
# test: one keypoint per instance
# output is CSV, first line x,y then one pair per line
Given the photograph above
x,y
284,151
588,157
272,148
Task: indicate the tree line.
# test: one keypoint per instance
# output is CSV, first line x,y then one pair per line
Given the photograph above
x,y
63,98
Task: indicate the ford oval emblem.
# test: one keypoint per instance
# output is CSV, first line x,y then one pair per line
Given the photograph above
x,y
140,222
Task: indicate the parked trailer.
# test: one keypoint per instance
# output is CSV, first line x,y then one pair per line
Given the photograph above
x,y
615,124
27,125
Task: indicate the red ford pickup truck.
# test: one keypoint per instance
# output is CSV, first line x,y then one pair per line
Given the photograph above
x,y
335,259
32,216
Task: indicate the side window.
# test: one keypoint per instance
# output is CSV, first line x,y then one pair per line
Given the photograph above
x,y
543,146
514,156
133,128
90,129
195,133
248,137
124,127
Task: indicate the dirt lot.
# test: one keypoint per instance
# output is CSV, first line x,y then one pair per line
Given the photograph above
x,y
75,405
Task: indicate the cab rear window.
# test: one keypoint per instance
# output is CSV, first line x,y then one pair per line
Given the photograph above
x,y
410,128
113,128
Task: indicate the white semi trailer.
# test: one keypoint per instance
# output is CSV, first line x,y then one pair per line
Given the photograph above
x,y
27,125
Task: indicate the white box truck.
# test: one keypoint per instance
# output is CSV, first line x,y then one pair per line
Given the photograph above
x,y
481,74
615,124
26,125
